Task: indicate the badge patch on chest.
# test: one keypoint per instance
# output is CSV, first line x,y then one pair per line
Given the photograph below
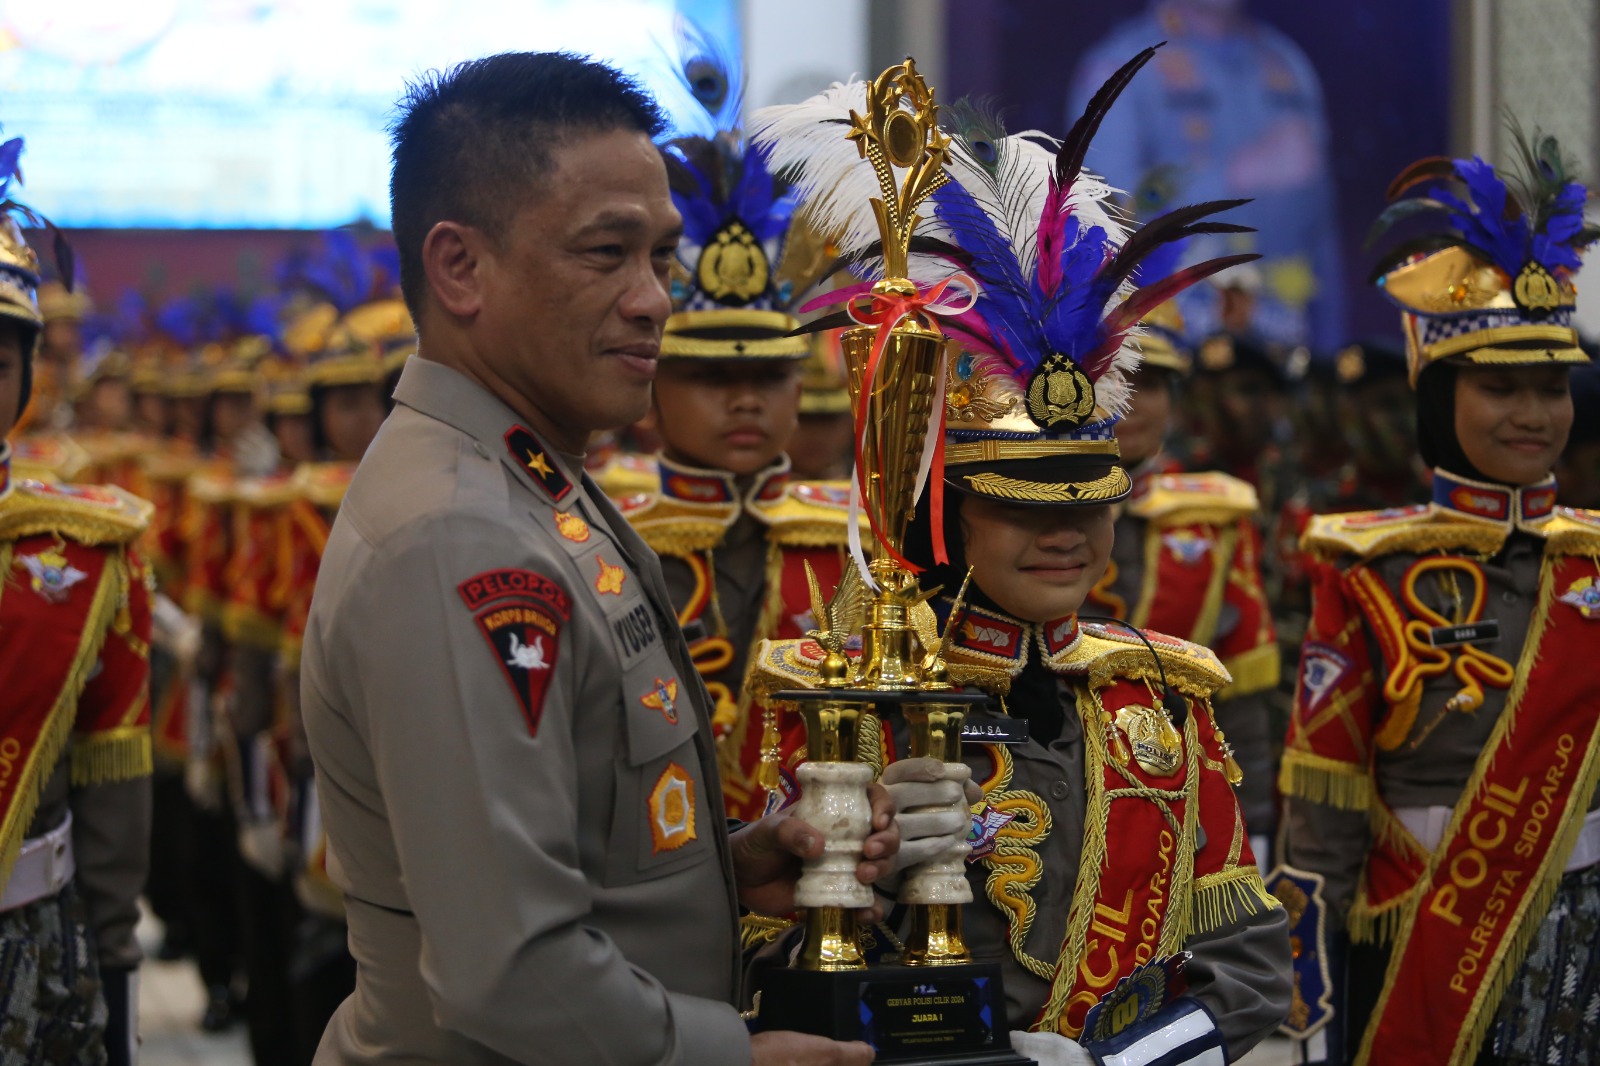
x,y
663,698
671,810
986,826
1153,740
609,580
520,614
1584,594
51,575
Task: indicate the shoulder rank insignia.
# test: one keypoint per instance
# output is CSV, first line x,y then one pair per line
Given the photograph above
x,y
530,454
51,575
1584,594
520,614
671,810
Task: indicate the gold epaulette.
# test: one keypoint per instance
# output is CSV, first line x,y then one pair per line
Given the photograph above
x,y
261,493
1424,527
322,484
1573,531
1214,498
108,447
89,514
1111,653
673,526
213,484
625,474
48,457
811,514
173,462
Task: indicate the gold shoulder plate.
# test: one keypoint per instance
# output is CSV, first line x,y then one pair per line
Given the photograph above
x,y
323,484
89,514
1423,527
1111,653
1186,498
811,514
677,527
1573,531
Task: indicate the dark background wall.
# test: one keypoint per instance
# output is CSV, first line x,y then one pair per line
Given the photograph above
x,y
1384,67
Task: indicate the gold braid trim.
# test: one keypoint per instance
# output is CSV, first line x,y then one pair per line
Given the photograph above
x,y
1104,488
757,929
1222,549
1221,897
1428,531
57,729
810,534
1369,923
23,514
1319,779
1014,866
1253,671
731,748
682,537
122,754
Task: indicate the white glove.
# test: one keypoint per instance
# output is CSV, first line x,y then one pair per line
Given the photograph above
x,y
932,802
1051,1049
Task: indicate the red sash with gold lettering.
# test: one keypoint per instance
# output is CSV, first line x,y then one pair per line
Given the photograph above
x,y
1131,903
1484,891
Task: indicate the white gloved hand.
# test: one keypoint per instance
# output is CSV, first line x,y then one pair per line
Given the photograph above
x,y
1051,1049
932,802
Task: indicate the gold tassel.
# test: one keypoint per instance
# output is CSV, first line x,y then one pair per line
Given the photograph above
x,y
115,755
767,775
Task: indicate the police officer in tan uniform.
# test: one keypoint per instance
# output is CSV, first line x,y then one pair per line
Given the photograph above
x,y
512,747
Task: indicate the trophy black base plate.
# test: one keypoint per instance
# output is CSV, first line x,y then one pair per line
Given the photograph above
x,y
912,1015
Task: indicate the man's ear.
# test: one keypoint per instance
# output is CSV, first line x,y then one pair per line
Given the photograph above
x,y
452,259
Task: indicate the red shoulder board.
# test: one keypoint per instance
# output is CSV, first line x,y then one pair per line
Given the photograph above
x,y
520,614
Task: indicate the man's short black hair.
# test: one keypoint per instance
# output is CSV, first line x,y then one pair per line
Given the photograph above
x,y
469,142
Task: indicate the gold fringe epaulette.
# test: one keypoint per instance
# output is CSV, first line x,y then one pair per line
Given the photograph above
x,y
1422,528
323,484
1110,653
678,527
48,457
88,514
1573,531
264,492
213,484
1221,898
1319,779
812,514
174,462
626,474
1183,499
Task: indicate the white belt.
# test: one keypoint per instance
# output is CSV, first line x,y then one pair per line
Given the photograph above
x,y
43,868
1428,824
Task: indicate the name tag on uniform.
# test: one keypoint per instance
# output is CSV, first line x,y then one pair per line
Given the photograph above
x,y
1484,632
995,730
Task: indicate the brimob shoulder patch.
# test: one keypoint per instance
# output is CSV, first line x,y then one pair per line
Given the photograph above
x,y
520,614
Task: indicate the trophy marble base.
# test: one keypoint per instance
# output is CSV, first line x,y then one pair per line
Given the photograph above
x,y
912,1015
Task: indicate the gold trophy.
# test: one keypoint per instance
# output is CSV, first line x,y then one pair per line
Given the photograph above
x,y
935,1005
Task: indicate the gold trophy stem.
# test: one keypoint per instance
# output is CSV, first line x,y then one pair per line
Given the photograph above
x,y
935,938
831,942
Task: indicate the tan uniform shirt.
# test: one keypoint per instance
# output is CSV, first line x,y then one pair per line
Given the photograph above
x,y
515,762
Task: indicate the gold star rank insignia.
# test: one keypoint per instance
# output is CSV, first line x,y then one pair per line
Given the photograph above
x,y
609,580
530,455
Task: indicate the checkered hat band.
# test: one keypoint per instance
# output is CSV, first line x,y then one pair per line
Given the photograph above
x,y
1444,327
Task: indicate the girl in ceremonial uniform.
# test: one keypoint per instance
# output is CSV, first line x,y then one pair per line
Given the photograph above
x,y
1441,762
1107,835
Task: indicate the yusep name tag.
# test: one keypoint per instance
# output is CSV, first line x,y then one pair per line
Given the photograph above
x,y
1483,632
995,730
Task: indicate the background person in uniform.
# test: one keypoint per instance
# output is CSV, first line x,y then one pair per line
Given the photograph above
x,y
512,746
1231,107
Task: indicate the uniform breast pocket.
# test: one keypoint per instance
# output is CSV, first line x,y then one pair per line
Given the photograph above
x,y
662,821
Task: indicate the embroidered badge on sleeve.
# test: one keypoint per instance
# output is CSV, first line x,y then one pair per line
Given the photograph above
x,y
609,579
520,614
51,575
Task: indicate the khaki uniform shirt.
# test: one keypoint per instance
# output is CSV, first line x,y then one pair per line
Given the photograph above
x,y
515,763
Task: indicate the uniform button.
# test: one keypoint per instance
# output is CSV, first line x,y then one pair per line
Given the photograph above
x,y
483,453
1508,597
1059,790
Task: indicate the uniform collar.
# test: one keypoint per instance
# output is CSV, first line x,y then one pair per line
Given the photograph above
x,y
448,395
5,469
995,637
1526,508
692,484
